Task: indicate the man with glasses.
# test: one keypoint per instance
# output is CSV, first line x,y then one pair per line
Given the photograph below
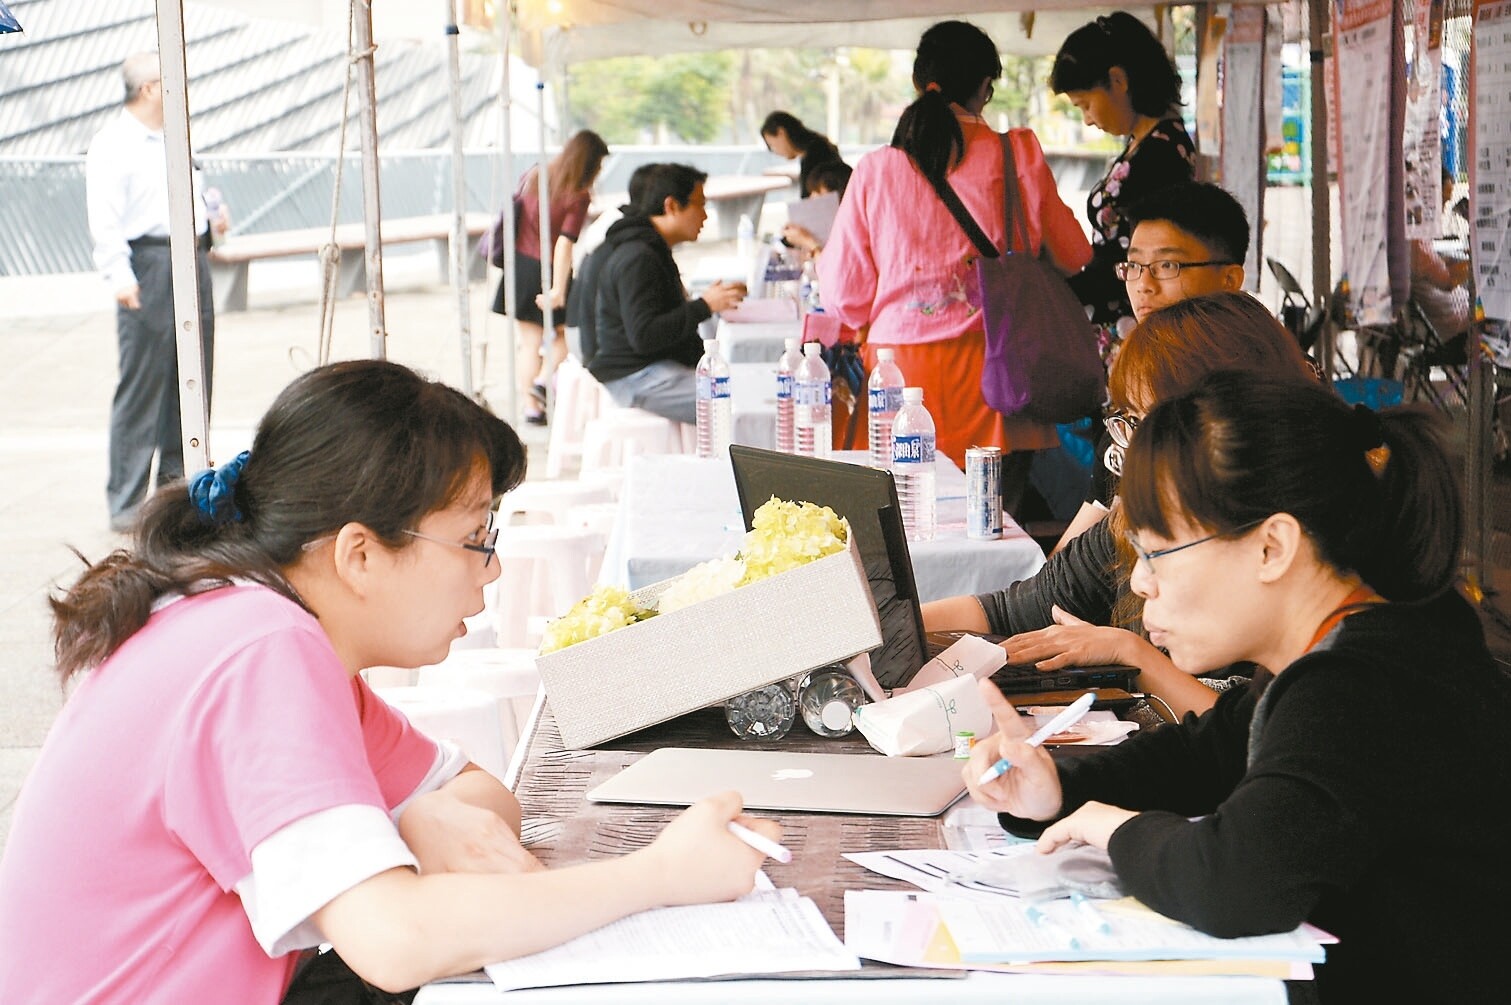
x,y
126,184
1189,240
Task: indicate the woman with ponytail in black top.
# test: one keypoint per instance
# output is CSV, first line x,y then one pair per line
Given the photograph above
x,y
1359,782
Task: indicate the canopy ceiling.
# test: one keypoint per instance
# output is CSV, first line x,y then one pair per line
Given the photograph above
x,y
571,31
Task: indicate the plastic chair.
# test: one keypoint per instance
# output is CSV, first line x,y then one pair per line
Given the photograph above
x,y
544,570
620,433
579,400
550,501
509,675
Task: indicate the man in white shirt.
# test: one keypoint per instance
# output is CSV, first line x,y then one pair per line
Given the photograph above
x,y
126,180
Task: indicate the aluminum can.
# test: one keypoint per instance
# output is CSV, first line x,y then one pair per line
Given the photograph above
x,y
983,493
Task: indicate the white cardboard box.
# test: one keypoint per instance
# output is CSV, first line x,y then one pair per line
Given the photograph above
x,y
671,664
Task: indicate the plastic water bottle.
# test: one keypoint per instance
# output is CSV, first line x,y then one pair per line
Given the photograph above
x,y
883,402
745,238
827,699
767,713
808,298
215,205
810,413
913,465
786,370
713,404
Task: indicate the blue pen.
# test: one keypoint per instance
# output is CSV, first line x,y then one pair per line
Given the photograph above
x,y
1072,715
1088,912
1041,920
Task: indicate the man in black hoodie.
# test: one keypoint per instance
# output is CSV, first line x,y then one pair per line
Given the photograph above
x,y
647,329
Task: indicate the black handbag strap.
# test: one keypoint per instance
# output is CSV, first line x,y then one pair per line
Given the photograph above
x,y
1016,220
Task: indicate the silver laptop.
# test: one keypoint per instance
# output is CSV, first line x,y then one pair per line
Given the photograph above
x,y
776,780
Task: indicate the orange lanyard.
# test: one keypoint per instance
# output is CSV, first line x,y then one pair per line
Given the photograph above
x,y
1361,597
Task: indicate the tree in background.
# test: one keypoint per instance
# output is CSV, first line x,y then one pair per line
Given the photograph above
x,y
638,99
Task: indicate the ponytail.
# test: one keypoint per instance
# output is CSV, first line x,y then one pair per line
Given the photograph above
x,y
1375,493
364,441
953,59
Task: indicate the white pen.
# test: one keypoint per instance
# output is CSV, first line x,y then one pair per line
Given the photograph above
x,y
1072,715
1095,919
761,843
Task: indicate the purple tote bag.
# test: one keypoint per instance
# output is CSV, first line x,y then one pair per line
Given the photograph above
x,y
1041,351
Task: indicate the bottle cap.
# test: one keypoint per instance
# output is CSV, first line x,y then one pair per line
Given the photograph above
x,y
789,344
886,355
836,715
812,348
912,395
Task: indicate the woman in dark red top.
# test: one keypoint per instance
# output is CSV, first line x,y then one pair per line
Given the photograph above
x,y
569,178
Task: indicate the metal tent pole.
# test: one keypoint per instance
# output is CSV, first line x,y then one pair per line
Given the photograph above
x,y
506,26
1322,282
543,192
372,213
194,407
459,264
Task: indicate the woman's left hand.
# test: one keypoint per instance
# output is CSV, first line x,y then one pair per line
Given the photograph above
x,y
1092,824
1071,642
557,300
448,834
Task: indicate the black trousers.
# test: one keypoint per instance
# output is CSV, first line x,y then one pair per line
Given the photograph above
x,y
144,415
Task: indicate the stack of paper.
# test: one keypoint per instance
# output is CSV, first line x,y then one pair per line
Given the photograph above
x,y
932,930
770,933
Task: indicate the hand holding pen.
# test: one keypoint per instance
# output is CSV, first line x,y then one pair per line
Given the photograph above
x,y
1031,789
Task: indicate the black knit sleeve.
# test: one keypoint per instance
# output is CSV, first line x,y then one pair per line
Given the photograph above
x,y
1079,579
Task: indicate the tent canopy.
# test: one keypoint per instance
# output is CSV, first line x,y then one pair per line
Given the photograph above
x,y
562,32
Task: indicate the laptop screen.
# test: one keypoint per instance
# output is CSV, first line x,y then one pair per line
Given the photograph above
x,y
867,498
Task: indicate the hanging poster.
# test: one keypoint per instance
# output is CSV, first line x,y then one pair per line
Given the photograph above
x,y
1243,123
1363,48
1423,140
1490,173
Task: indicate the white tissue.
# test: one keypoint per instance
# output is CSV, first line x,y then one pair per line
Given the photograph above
x,y
925,721
971,656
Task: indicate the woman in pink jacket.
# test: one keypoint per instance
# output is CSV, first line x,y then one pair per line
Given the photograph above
x,y
899,267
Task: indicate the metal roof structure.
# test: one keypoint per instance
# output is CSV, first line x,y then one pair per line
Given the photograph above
x,y
255,86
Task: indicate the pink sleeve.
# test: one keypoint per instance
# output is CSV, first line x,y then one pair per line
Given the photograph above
x,y
847,271
400,755
272,737
1059,233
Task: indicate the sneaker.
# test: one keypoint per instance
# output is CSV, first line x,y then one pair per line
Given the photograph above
x,y
538,395
536,418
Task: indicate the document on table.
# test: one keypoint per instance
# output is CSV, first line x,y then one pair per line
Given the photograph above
x,y
767,933
933,930
940,870
815,214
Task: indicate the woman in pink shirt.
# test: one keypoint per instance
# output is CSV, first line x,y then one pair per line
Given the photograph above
x,y
222,790
898,266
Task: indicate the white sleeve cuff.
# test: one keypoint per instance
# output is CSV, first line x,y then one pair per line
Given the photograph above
x,y
307,864
449,762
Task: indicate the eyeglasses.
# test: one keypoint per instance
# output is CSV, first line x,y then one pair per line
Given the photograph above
x,y
486,548
1148,557
1164,269
1120,426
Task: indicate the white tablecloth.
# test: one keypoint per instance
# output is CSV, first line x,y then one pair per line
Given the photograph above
x,y
1021,989
760,342
752,391
676,511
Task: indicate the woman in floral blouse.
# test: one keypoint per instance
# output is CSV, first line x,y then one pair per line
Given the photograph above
x,y
1120,77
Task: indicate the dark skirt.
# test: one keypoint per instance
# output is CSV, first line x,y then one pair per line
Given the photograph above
x,y
527,288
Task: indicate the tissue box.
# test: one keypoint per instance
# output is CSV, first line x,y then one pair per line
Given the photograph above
x,y
666,666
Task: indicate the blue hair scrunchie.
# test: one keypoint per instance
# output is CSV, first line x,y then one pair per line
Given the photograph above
x,y
213,491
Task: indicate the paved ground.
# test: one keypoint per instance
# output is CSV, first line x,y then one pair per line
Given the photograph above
x,y
58,341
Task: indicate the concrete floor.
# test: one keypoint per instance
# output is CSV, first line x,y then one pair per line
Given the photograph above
x,y
58,340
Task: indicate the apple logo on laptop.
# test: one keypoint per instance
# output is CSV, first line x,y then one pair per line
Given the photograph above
x,y
790,774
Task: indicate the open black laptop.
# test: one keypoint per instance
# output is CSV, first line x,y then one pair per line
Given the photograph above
x,y
867,498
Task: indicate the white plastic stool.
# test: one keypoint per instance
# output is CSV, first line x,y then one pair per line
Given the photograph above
x,y
579,398
611,479
509,675
544,570
619,434
468,718
549,501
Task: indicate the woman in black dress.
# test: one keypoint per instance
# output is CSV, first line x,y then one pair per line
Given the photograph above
x,y
786,136
1120,77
